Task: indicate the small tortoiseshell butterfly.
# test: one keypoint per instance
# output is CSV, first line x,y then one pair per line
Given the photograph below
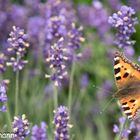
x,y
127,75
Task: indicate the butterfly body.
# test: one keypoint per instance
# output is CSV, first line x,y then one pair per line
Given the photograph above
x,y
127,75
128,90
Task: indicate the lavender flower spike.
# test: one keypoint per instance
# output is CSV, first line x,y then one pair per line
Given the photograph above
x,y
17,48
61,119
39,133
126,131
124,23
2,62
20,127
3,95
56,57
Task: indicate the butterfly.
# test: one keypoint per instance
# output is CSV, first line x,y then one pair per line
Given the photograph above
x,y
127,77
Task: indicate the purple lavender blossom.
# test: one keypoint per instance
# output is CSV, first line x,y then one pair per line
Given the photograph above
x,y
125,132
116,128
3,59
62,38
75,37
17,48
124,23
20,127
61,119
39,133
56,57
122,120
3,95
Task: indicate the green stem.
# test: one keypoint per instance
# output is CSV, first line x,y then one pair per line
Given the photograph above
x,y
8,117
71,86
55,97
50,127
17,93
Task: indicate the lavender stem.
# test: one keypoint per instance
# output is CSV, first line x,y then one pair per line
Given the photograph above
x,y
71,86
55,96
8,117
17,92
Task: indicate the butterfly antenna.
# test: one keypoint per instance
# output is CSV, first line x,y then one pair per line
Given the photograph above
x,y
106,105
102,89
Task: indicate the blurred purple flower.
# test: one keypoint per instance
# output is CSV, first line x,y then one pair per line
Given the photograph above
x,y
132,125
61,119
20,127
3,19
3,25
3,95
33,4
124,23
136,138
17,48
39,133
38,22
95,16
86,54
137,124
115,4
104,90
4,4
129,52
49,91
139,58
84,81
83,13
18,12
35,31
135,4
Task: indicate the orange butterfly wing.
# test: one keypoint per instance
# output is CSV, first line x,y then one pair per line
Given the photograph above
x,y
125,71
131,105
127,75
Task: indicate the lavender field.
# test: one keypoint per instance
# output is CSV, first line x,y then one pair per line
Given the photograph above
x,y
56,68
